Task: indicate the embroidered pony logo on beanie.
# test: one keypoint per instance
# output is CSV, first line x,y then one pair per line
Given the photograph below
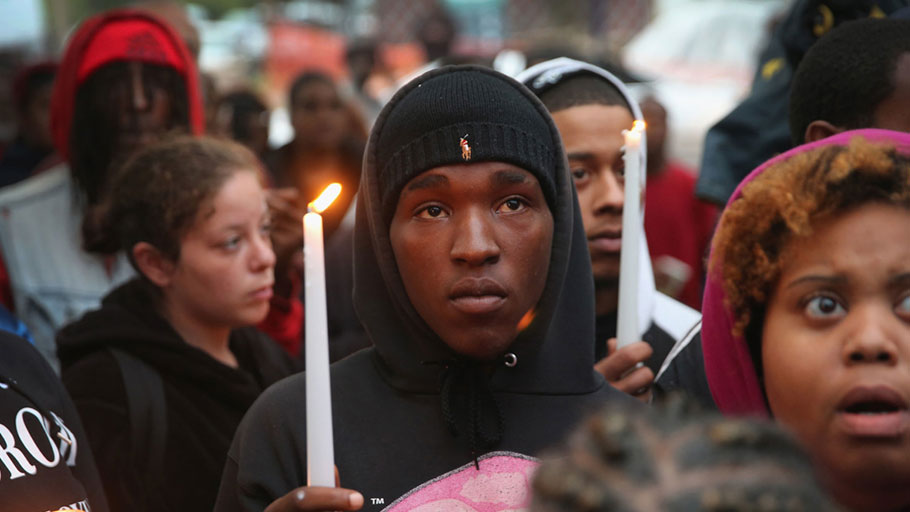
x,y
465,148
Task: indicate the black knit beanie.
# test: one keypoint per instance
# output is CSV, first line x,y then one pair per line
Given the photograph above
x,y
459,115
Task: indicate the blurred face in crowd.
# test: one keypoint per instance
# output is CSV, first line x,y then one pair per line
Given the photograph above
x,y
592,136
35,119
472,243
656,119
223,276
142,104
836,352
318,116
257,126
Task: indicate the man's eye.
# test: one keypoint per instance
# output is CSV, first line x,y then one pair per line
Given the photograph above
x,y
513,204
579,174
824,307
431,212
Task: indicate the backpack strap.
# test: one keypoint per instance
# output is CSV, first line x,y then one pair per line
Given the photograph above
x,y
148,416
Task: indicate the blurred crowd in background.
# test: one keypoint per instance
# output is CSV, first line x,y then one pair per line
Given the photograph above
x,y
695,56
300,82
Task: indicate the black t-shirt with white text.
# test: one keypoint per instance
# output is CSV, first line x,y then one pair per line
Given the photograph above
x,y
45,463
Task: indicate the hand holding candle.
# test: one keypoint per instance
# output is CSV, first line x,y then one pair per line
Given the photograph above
x,y
627,315
320,447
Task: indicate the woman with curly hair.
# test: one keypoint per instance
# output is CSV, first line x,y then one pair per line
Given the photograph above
x,y
807,309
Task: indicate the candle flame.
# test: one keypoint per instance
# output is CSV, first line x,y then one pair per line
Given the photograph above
x,y
638,126
326,198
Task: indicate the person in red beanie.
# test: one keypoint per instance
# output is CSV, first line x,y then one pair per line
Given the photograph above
x,y
125,80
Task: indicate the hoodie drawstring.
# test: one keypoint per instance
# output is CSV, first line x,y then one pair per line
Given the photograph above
x,y
468,405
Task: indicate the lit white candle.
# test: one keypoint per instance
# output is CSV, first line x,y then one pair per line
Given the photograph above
x,y
319,441
627,314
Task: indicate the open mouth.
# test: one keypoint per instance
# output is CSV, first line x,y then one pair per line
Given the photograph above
x,y
872,408
874,412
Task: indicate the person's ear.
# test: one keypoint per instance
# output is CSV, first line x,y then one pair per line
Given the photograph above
x,y
818,130
154,265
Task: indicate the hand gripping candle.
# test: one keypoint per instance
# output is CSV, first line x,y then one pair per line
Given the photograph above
x,y
627,314
319,443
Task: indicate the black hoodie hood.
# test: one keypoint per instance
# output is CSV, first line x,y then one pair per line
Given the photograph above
x,y
554,353
128,321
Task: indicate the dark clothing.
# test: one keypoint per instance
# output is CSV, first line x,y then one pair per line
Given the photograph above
x,y
754,131
346,334
685,372
39,470
19,161
205,399
397,404
758,128
661,341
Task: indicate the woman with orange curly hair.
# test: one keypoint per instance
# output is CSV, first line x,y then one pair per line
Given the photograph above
x,y
807,309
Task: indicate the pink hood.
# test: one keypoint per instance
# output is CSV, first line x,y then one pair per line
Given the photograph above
x,y
728,365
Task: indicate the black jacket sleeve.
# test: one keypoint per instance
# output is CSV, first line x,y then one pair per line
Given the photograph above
x,y
685,373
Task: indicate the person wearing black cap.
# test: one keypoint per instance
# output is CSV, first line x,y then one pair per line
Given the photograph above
x,y
473,281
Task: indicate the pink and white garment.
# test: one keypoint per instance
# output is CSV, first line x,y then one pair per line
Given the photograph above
x,y
501,484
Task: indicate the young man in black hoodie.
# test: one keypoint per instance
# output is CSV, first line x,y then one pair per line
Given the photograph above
x,y
474,284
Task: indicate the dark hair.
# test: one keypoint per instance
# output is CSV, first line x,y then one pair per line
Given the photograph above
x,y
157,195
305,79
95,127
674,459
240,106
582,89
847,74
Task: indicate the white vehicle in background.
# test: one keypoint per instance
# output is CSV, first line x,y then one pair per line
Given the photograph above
x,y
701,56
229,45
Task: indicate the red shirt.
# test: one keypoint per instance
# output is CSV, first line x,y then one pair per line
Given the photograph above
x,y
679,225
